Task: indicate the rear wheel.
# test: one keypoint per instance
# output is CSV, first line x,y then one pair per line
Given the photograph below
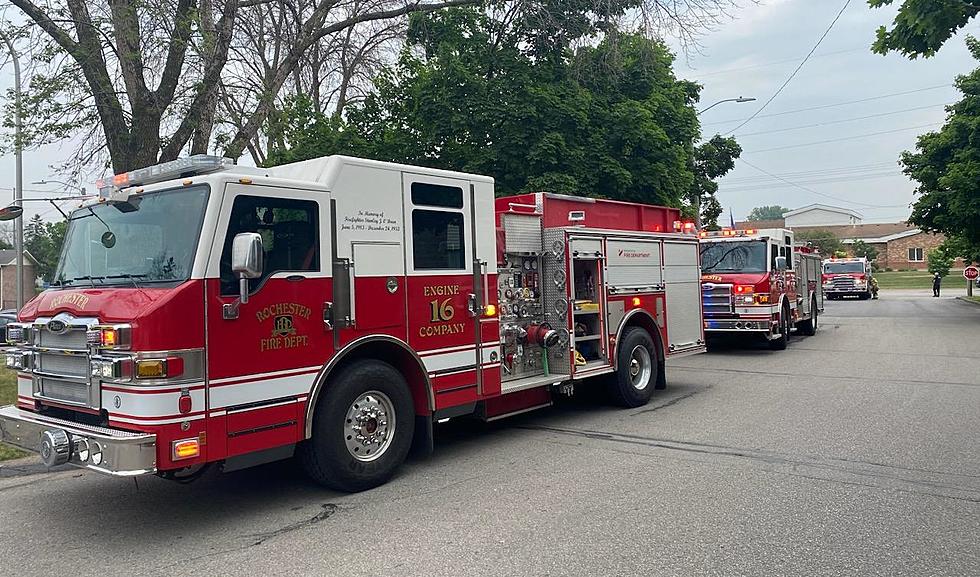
x,y
362,428
809,326
638,366
779,344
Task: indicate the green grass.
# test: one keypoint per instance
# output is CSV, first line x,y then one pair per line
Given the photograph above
x,y
974,299
8,394
905,280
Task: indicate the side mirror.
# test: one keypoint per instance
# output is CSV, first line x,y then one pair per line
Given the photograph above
x,y
780,263
246,260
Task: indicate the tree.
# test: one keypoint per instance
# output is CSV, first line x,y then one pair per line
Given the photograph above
x,y
769,212
921,27
511,98
822,240
712,160
946,166
940,260
863,249
139,82
44,241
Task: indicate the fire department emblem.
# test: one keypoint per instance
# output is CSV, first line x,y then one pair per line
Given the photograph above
x,y
282,326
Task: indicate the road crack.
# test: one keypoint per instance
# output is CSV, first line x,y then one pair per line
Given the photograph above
x,y
328,510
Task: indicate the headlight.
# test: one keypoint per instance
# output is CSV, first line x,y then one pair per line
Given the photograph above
x,y
111,369
745,300
18,360
17,333
110,336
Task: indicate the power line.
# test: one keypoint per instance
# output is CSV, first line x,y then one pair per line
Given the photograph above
x,y
857,168
823,106
775,62
811,191
833,180
854,137
798,68
842,121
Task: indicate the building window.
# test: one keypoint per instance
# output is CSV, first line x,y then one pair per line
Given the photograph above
x,y
915,255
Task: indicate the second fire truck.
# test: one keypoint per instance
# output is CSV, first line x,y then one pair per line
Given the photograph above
x,y
847,277
759,281
334,308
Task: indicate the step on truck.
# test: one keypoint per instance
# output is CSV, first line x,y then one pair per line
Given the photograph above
x,y
759,282
334,309
843,277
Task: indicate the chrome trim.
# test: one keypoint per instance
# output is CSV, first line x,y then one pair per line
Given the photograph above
x,y
321,377
110,451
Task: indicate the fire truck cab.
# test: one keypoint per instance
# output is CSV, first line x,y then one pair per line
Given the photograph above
x,y
758,281
335,308
846,277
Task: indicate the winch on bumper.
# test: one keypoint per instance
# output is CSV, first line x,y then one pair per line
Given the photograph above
x,y
111,451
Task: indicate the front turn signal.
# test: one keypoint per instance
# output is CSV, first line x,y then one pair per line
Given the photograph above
x,y
186,449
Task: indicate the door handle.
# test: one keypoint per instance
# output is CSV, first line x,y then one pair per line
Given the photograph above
x,y
328,316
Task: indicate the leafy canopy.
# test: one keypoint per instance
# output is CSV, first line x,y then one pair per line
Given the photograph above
x,y
822,240
768,212
921,27
512,99
44,241
946,166
861,248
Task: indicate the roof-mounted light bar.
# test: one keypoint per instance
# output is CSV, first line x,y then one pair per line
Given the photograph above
x,y
728,233
187,166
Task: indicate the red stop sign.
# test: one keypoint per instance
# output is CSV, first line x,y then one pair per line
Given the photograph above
x,y
971,273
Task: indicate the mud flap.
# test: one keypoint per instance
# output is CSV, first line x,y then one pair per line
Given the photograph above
x,y
423,443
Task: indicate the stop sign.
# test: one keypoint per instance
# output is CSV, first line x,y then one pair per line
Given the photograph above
x,y
971,273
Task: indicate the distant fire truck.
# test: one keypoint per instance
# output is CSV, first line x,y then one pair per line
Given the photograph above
x,y
847,277
334,308
758,281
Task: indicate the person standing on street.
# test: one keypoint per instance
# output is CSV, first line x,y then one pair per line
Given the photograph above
x,y
937,281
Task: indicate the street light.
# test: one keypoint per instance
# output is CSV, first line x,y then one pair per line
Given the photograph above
x,y
19,186
739,99
80,189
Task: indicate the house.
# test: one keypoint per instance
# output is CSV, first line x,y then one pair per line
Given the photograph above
x,y
8,278
821,215
900,245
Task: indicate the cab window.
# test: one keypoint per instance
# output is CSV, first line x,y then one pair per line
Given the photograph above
x,y
289,231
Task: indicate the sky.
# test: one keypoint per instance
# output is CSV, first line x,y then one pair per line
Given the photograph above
x,y
843,155
849,159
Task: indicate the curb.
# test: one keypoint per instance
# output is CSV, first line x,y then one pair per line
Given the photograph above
x,y
968,301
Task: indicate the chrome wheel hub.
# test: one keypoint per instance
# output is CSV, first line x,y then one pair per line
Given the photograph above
x,y
369,426
640,367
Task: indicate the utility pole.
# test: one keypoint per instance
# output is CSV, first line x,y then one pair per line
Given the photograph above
x,y
19,179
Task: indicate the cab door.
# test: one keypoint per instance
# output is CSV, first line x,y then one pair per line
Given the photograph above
x,y
263,356
445,285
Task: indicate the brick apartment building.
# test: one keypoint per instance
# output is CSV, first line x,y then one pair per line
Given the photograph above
x,y
8,278
900,245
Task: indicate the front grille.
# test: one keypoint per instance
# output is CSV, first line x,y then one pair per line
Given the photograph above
x,y
74,339
66,365
717,299
842,283
59,390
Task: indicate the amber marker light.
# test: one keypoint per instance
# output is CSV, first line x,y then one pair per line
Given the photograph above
x,y
186,449
490,310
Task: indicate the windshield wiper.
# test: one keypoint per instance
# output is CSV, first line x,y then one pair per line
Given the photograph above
x,y
719,259
131,277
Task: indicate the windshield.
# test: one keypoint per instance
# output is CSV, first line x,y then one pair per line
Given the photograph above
x,y
742,256
155,243
843,267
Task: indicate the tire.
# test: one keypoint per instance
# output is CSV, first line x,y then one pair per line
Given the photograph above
x,y
780,343
333,456
638,367
809,326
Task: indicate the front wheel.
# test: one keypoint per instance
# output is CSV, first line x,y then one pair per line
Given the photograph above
x,y
809,326
362,428
637,369
779,344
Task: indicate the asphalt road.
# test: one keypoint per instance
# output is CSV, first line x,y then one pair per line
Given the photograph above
x,y
854,452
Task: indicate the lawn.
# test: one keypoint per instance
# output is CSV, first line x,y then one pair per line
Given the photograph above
x,y
8,393
905,280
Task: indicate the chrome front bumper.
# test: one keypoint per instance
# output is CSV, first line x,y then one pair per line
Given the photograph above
x,y
110,451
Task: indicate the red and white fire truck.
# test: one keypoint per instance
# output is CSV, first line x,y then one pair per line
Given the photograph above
x,y
336,308
846,277
759,281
